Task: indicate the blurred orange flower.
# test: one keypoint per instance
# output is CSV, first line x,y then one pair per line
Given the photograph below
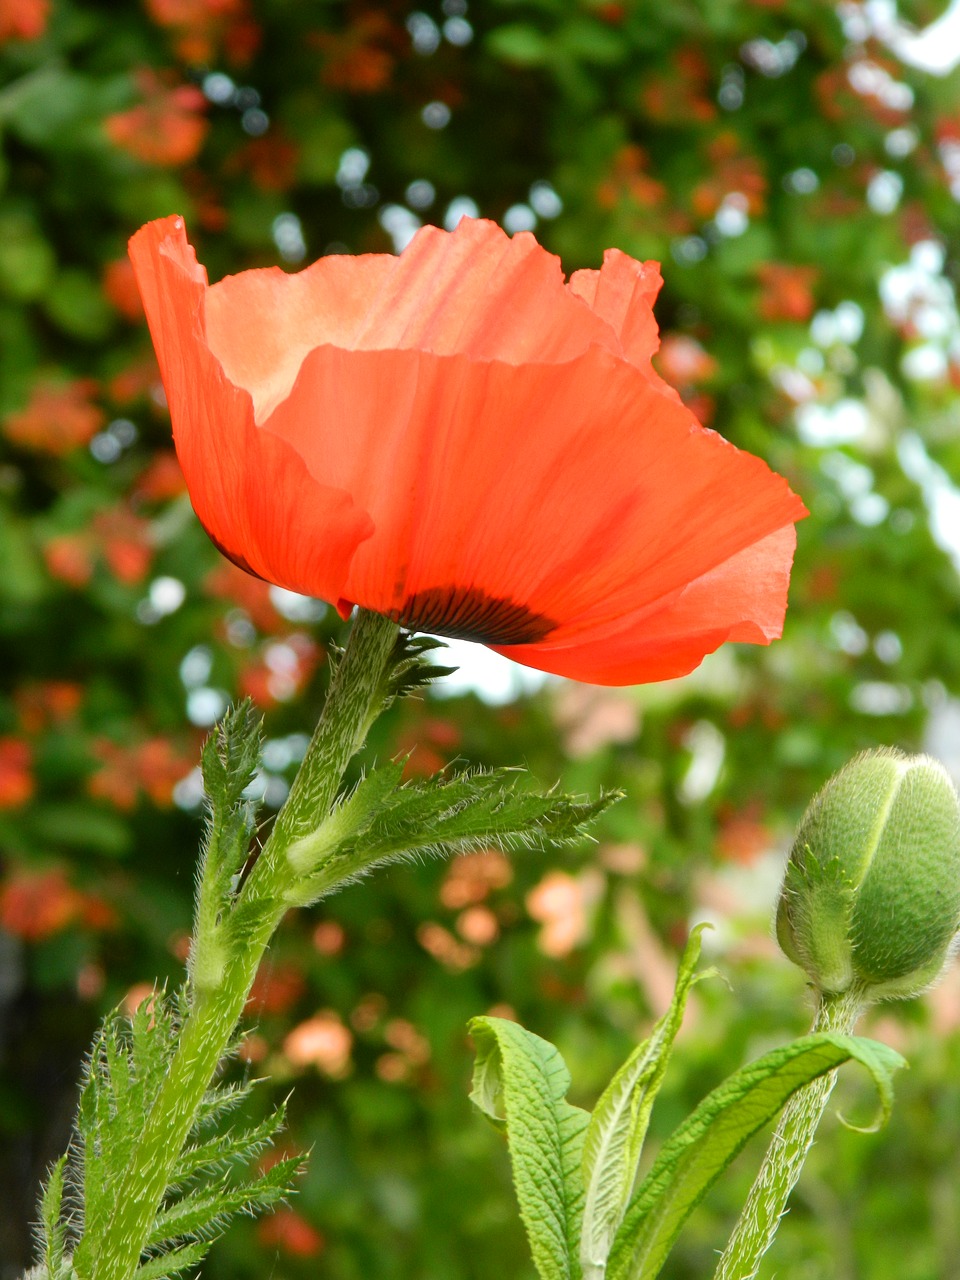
x,y
276,988
16,773
125,542
201,27
355,59
445,948
281,670
322,1042
271,162
683,362
38,904
478,926
57,418
472,876
42,704
227,582
140,379
628,180
117,536
560,902
743,837
165,129
69,558
23,19
153,767
120,288
786,291
732,173
161,480
290,1231
683,94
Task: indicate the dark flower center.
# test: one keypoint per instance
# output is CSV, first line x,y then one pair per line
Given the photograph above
x,y
471,614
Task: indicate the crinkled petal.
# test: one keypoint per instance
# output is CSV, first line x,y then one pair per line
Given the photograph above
x,y
250,489
744,599
539,505
459,440
623,292
476,292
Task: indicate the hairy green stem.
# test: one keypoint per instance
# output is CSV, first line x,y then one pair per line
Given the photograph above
x,y
355,699
767,1201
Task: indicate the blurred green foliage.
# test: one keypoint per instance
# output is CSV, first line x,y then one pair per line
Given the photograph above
x,y
800,184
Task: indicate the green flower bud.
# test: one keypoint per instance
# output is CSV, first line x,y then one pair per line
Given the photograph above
x,y
871,895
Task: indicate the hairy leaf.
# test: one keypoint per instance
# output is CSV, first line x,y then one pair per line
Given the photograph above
x,y
210,1183
618,1126
704,1145
53,1229
452,815
229,761
167,1265
520,1082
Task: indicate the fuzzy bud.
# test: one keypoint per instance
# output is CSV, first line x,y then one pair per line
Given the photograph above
x,y
871,895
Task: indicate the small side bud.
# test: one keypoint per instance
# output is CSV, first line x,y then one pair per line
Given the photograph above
x,y
871,896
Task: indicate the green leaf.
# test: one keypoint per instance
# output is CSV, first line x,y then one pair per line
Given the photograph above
x,y
410,669
520,1082
229,760
53,1230
704,1145
237,1145
618,1126
210,1183
173,1263
452,815
205,1212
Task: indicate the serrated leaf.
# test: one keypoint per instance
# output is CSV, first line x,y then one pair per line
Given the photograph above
x,y
520,1082
410,669
231,754
125,1071
618,1125
229,760
206,1212
239,1145
210,1182
453,815
52,1228
704,1145
174,1262
220,1101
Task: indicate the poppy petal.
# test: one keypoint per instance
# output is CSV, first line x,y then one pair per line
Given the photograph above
x,y
623,292
475,291
458,440
573,495
233,470
743,599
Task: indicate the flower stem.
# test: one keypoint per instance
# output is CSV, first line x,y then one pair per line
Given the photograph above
x,y
355,699
767,1201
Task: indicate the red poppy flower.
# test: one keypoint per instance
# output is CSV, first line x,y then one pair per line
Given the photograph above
x,y
460,440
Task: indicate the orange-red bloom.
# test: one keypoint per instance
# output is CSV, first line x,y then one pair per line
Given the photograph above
x,y
166,128
460,440
58,417
23,19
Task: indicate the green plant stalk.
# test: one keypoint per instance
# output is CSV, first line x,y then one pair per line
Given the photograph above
x,y
355,698
767,1202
